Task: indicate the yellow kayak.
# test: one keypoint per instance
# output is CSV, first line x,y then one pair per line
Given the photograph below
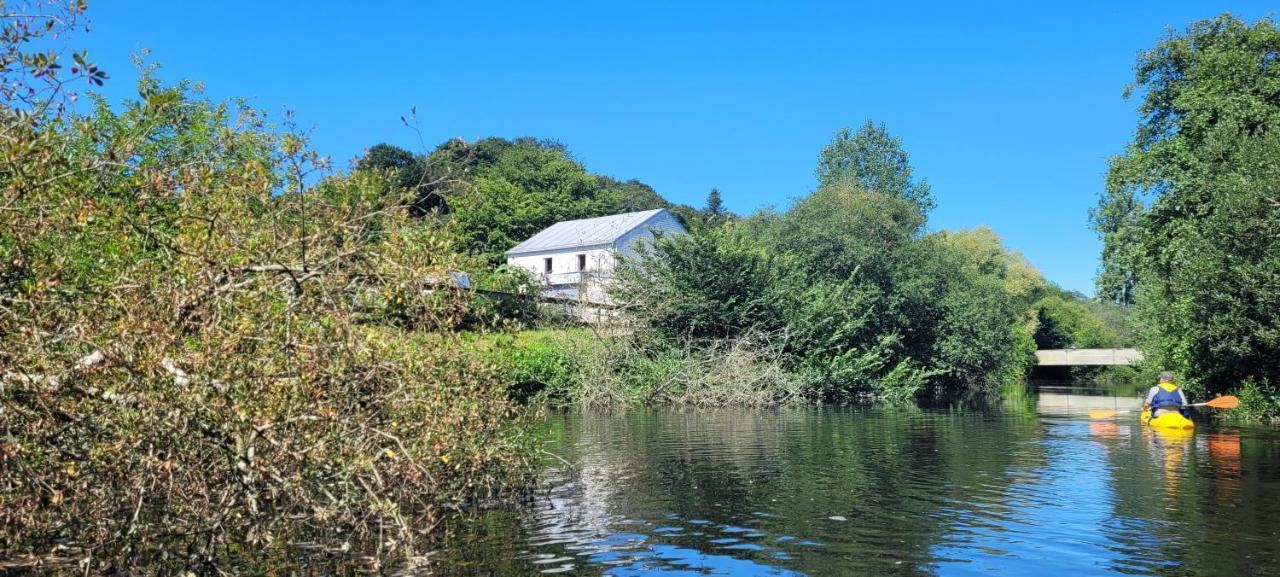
x,y
1168,421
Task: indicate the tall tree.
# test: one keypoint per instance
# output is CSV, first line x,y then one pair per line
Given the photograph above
x,y
715,206
873,159
1203,256
842,230
1116,219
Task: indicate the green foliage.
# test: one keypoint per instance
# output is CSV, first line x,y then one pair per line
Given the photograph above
x,y
1258,402
871,159
843,231
1068,323
1201,256
715,206
407,173
493,307
713,214
963,299
714,283
209,351
527,186
633,196
534,361
500,192
33,77
1117,219
494,215
862,305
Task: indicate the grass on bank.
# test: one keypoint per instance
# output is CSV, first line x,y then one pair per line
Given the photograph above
x,y
584,368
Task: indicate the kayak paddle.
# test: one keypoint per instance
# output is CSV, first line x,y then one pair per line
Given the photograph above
x,y
1227,402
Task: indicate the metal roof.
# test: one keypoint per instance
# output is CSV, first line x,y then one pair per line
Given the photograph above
x,y
585,232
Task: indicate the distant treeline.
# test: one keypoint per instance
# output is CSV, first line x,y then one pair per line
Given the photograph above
x,y
496,192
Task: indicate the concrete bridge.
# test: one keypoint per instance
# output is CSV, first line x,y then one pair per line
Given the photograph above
x,y
1086,357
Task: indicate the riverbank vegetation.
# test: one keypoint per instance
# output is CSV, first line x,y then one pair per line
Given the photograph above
x,y
844,297
214,348
856,300
1191,215
214,351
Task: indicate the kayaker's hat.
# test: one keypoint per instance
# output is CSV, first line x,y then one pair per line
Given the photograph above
x,y
1166,377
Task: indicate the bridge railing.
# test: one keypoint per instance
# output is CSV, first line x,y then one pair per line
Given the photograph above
x,y
1087,357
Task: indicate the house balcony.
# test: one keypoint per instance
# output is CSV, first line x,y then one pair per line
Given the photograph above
x,y
560,278
573,278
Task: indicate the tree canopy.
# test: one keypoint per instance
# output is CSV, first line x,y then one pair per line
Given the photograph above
x,y
874,160
715,205
866,305
495,193
1190,219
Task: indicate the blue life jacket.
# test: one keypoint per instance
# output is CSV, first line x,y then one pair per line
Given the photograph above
x,y
1166,396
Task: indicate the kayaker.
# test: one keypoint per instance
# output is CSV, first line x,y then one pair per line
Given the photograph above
x,y
1165,397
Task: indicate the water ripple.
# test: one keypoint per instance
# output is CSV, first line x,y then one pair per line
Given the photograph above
x,y
890,493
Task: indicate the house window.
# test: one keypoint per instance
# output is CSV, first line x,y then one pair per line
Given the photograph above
x,y
582,262
546,265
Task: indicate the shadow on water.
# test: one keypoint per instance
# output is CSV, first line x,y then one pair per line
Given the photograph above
x,y
946,491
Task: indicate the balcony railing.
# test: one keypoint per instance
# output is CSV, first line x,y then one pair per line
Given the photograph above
x,y
563,278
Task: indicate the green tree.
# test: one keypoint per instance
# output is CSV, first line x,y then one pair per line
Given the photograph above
x,y
866,307
1117,220
1064,322
407,172
634,195
500,192
874,160
515,189
715,206
842,229
1205,162
960,299
712,284
386,156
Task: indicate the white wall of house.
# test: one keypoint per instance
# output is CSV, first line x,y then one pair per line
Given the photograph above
x,y
662,222
561,271
566,269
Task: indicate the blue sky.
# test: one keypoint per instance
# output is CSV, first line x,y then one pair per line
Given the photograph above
x,y
1010,110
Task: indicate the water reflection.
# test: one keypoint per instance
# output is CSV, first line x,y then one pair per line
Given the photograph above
x,y
904,492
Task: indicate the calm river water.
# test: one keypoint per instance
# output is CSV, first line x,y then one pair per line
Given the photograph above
x,y
887,492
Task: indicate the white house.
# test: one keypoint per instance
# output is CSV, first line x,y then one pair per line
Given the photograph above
x,y
575,258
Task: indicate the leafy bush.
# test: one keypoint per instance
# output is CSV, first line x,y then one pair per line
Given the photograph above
x,y
862,307
1259,402
1065,323
210,353
530,362
715,283
636,370
493,306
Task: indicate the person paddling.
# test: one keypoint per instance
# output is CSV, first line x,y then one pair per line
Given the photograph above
x,y
1165,397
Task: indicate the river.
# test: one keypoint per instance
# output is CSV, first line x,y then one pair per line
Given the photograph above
x,y
827,491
